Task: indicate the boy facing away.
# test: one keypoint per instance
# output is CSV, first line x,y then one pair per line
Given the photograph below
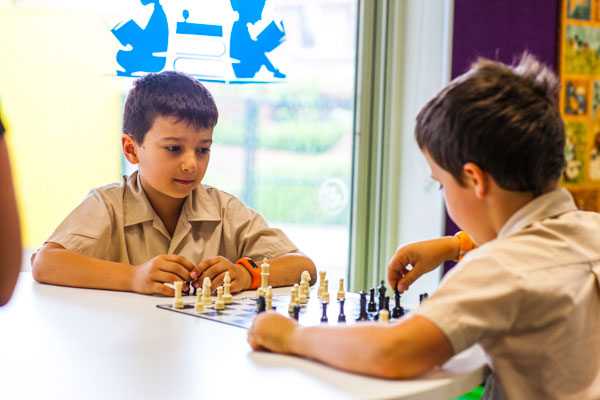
x,y
529,294
161,224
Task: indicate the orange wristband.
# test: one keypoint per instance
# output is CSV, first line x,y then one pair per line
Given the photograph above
x,y
251,266
465,244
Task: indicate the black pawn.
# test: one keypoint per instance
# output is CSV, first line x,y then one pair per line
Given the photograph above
x,y
363,316
296,312
398,311
261,304
342,316
381,289
387,304
372,304
324,317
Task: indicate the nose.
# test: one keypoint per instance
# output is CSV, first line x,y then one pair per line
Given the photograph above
x,y
188,163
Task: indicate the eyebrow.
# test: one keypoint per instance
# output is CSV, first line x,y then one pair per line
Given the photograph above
x,y
179,140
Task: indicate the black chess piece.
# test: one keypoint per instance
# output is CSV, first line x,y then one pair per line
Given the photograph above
x,y
296,312
372,304
324,317
261,304
186,292
387,304
398,311
363,316
381,289
194,288
342,316
422,297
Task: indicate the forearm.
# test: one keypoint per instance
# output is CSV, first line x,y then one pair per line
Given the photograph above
x,y
401,350
10,230
285,270
68,268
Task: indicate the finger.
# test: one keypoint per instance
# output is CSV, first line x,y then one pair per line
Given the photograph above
x,y
165,277
219,280
206,264
409,279
187,264
177,269
213,271
160,288
236,286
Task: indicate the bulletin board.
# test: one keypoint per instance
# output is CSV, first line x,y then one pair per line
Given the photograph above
x,y
580,99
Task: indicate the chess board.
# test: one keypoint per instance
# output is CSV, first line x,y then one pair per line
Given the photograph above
x,y
243,310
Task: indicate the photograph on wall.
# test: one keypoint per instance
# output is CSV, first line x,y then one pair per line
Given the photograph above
x,y
575,142
582,49
576,95
579,9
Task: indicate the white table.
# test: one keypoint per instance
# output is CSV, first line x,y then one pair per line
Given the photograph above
x,y
65,343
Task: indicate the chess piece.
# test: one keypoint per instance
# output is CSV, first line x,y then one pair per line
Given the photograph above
x,y
372,304
261,304
381,289
206,300
264,281
340,294
269,300
302,292
342,316
227,297
325,293
306,278
422,297
199,306
293,299
178,302
324,316
220,304
321,280
384,316
398,311
363,316
296,312
186,292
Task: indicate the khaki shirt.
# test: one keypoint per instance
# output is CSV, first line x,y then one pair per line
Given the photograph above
x,y
117,223
531,299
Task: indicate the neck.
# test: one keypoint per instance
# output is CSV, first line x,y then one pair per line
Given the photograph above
x,y
167,208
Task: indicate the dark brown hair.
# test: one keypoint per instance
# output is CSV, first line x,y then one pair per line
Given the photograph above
x,y
503,119
167,94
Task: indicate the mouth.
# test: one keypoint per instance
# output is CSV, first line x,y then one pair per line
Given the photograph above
x,y
184,181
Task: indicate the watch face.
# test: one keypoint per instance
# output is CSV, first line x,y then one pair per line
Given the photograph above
x,y
252,263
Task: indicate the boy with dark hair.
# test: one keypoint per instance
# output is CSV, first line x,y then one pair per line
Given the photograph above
x,y
530,293
161,224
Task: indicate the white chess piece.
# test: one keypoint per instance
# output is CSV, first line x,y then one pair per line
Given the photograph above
x,y
325,293
341,294
269,303
227,297
199,306
384,316
321,282
206,300
178,302
220,303
302,298
293,299
306,278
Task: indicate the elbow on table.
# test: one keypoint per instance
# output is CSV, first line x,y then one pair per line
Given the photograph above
x,y
39,265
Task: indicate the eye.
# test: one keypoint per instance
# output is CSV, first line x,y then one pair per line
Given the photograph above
x,y
173,148
203,150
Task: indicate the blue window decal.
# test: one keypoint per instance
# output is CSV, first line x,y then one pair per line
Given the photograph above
x,y
204,50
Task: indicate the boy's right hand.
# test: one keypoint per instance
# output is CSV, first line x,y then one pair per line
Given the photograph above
x,y
150,277
423,257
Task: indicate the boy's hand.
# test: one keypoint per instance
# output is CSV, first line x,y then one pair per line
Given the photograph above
x,y
215,268
149,278
272,331
423,256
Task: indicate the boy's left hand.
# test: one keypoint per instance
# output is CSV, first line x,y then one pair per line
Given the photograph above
x,y
272,331
215,268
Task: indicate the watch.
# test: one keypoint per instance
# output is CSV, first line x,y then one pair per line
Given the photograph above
x,y
251,266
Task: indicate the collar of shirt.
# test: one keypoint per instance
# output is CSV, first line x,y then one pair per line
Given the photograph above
x,y
198,206
548,205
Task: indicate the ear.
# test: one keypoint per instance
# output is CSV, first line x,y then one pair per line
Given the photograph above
x,y
129,148
477,179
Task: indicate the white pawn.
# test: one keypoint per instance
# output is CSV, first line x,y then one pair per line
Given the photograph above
x,y
227,297
220,304
302,298
293,299
384,316
306,278
178,302
325,293
206,300
199,306
269,303
341,295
